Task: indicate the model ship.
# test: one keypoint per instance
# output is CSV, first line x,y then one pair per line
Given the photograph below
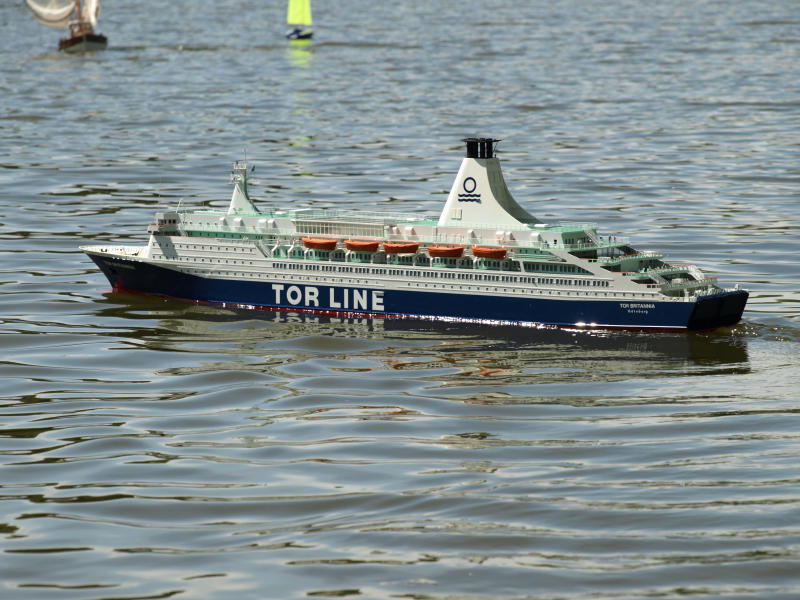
x,y
484,259
79,16
298,18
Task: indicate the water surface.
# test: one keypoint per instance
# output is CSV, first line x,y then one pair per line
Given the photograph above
x,y
157,449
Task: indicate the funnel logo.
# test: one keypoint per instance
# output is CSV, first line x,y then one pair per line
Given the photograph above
x,y
469,194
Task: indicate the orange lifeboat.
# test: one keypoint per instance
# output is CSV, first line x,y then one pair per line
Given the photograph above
x,y
400,247
484,252
362,245
319,243
450,251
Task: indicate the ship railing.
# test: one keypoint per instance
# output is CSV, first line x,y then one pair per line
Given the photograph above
x,y
374,217
527,252
300,215
705,282
337,229
519,246
695,272
602,242
513,245
657,271
400,220
710,290
378,217
341,229
118,250
654,274
563,226
617,259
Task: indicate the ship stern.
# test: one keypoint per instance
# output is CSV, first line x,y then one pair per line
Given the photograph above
x,y
718,310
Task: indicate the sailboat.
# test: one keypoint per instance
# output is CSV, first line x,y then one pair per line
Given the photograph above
x,y
80,16
298,17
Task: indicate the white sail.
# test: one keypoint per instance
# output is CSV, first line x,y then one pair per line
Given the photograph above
x,y
91,10
53,13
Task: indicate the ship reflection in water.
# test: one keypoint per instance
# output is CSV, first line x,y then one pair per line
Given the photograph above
x,y
488,350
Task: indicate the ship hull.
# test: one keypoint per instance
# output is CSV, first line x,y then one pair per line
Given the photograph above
x,y
299,33
275,293
88,42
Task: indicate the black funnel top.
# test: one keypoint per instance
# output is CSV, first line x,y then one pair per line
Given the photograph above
x,y
480,147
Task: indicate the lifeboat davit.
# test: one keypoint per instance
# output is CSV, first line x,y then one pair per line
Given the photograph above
x,y
450,251
362,245
319,243
400,247
488,252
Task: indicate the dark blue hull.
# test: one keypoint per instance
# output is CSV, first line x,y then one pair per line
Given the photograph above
x,y
707,312
299,33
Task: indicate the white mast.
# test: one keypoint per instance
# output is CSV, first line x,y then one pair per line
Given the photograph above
x,y
240,200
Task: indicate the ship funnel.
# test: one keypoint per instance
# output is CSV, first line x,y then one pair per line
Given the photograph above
x,y
480,147
479,196
240,200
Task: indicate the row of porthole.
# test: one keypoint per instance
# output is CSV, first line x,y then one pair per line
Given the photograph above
x,y
425,285
242,249
436,275
211,260
365,282
543,281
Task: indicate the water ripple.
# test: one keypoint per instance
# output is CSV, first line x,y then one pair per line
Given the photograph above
x,y
158,449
